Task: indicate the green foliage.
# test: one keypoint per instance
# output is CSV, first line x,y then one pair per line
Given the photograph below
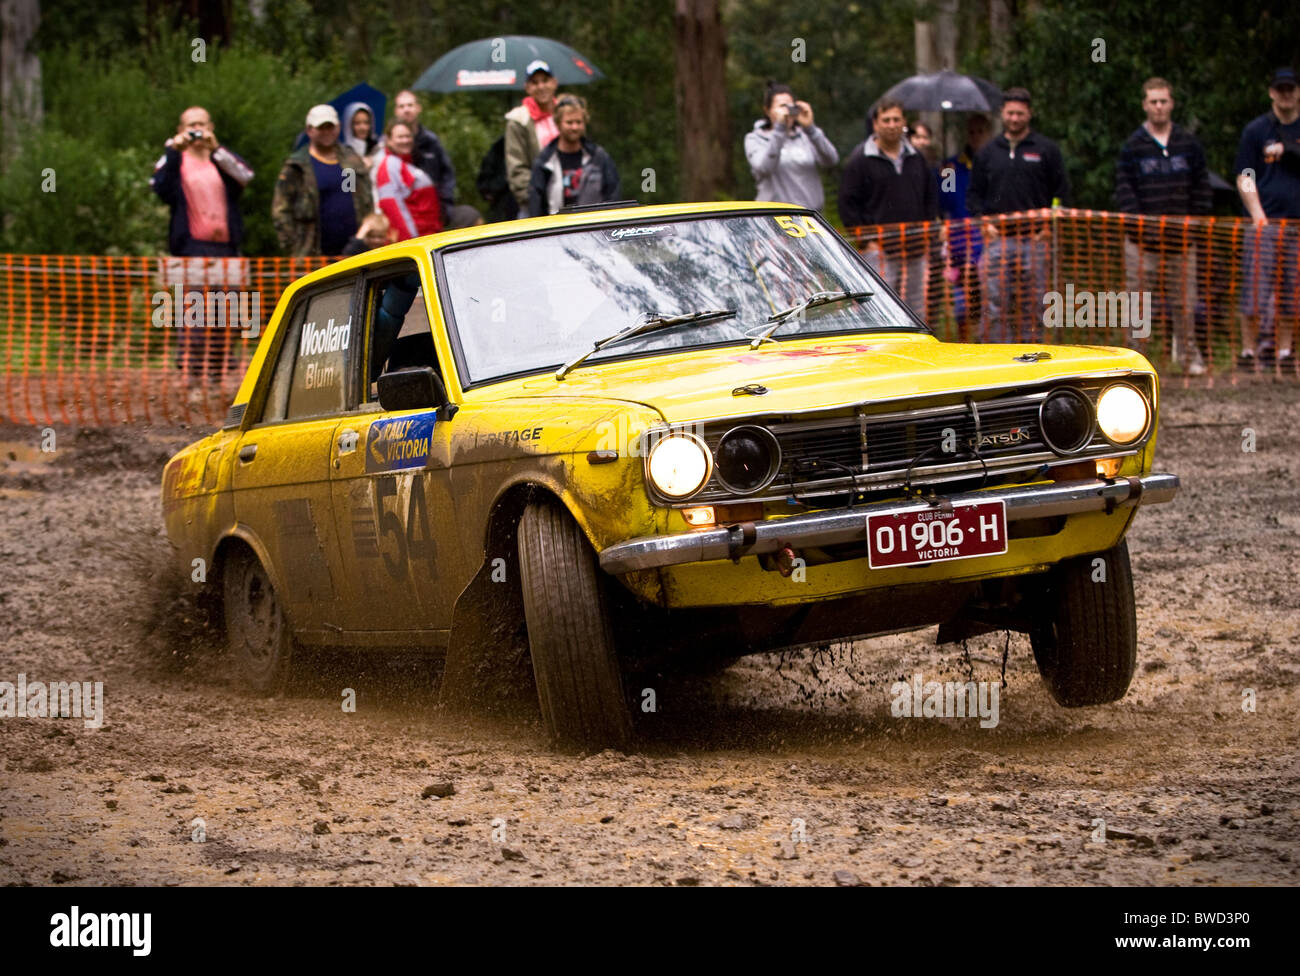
x,y
853,54
107,116
64,194
117,77
1218,58
466,138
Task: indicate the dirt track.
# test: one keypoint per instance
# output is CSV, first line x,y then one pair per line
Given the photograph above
x,y
778,771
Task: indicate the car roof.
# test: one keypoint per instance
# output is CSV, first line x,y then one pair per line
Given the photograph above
x,y
527,225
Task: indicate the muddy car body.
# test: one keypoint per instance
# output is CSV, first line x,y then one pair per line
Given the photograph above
x,y
639,437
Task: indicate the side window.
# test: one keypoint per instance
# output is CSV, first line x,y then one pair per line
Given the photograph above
x,y
322,351
398,320
277,400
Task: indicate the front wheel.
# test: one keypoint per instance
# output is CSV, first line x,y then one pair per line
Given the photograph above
x,y
1085,641
579,683
257,631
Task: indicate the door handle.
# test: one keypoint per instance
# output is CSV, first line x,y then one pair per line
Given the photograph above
x,y
247,453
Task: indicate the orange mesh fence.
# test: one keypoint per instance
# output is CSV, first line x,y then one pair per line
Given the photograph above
x,y
1190,293
95,340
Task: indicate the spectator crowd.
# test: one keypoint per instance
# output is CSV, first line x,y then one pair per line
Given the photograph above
x,y
348,188
994,244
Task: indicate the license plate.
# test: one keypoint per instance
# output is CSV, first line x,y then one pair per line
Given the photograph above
x,y
930,535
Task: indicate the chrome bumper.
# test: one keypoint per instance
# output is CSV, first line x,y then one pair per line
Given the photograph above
x,y
850,525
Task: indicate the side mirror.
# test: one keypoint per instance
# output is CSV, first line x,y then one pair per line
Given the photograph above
x,y
412,388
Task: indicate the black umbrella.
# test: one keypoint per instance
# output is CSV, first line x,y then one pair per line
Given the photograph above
x,y
499,63
946,91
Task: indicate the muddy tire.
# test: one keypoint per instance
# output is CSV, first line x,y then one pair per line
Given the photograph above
x,y
257,631
579,682
1086,640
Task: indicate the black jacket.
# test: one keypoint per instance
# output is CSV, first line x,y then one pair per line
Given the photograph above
x,y
428,154
600,182
1003,181
166,182
1172,180
872,191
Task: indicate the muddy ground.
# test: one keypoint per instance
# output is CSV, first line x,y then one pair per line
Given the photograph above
x,y
781,770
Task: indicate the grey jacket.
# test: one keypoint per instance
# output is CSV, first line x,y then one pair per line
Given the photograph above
x,y
787,165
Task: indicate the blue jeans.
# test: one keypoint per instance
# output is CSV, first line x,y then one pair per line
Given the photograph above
x,y
1014,275
1265,284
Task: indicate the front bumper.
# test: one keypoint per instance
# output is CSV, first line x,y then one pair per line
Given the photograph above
x,y
850,525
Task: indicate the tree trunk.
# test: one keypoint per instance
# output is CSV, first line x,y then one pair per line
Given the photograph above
x,y
936,50
700,47
20,72
1000,30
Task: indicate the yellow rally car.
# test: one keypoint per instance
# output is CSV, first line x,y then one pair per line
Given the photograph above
x,y
622,438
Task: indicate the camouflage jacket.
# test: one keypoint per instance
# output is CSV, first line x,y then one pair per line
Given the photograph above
x,y
295,207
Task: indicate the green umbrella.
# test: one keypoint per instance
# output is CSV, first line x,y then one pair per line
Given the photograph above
x,y
500,63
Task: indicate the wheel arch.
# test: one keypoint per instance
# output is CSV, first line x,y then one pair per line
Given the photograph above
x,y
488,660
239,538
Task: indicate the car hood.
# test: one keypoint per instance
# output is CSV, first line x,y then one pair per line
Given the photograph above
x,y
822,373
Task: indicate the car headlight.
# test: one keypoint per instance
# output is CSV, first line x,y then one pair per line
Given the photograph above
x,y
1066,421
1122,414
747,459
679,465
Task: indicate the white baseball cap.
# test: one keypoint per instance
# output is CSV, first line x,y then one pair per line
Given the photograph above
x,y
322,115
538,65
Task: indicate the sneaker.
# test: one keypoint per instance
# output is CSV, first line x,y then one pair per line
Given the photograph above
x,y
1196,367
1247,361
1286,361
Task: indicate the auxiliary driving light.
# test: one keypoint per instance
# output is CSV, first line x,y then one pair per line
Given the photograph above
x,y
1122,414
1066,420
679,465
747,459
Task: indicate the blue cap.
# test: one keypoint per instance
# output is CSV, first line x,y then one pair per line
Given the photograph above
x,y
1283,76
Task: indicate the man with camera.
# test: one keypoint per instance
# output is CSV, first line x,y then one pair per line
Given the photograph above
x,y
202,182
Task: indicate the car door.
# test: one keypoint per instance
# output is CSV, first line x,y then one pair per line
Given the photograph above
x,y
281,477
389,481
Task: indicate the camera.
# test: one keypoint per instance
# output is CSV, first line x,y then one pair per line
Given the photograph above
x,y
195,134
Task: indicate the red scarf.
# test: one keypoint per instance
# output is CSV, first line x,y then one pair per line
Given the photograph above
x,y
543,122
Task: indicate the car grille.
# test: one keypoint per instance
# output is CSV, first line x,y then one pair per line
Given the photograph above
x,y
826,456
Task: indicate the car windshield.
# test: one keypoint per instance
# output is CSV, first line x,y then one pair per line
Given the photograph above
x,y
533,304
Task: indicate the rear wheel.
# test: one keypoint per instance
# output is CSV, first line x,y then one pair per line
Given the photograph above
x,y
257,631
1085,642
579,683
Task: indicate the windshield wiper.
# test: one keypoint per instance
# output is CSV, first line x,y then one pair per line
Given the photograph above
x,y
647,322
812,301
